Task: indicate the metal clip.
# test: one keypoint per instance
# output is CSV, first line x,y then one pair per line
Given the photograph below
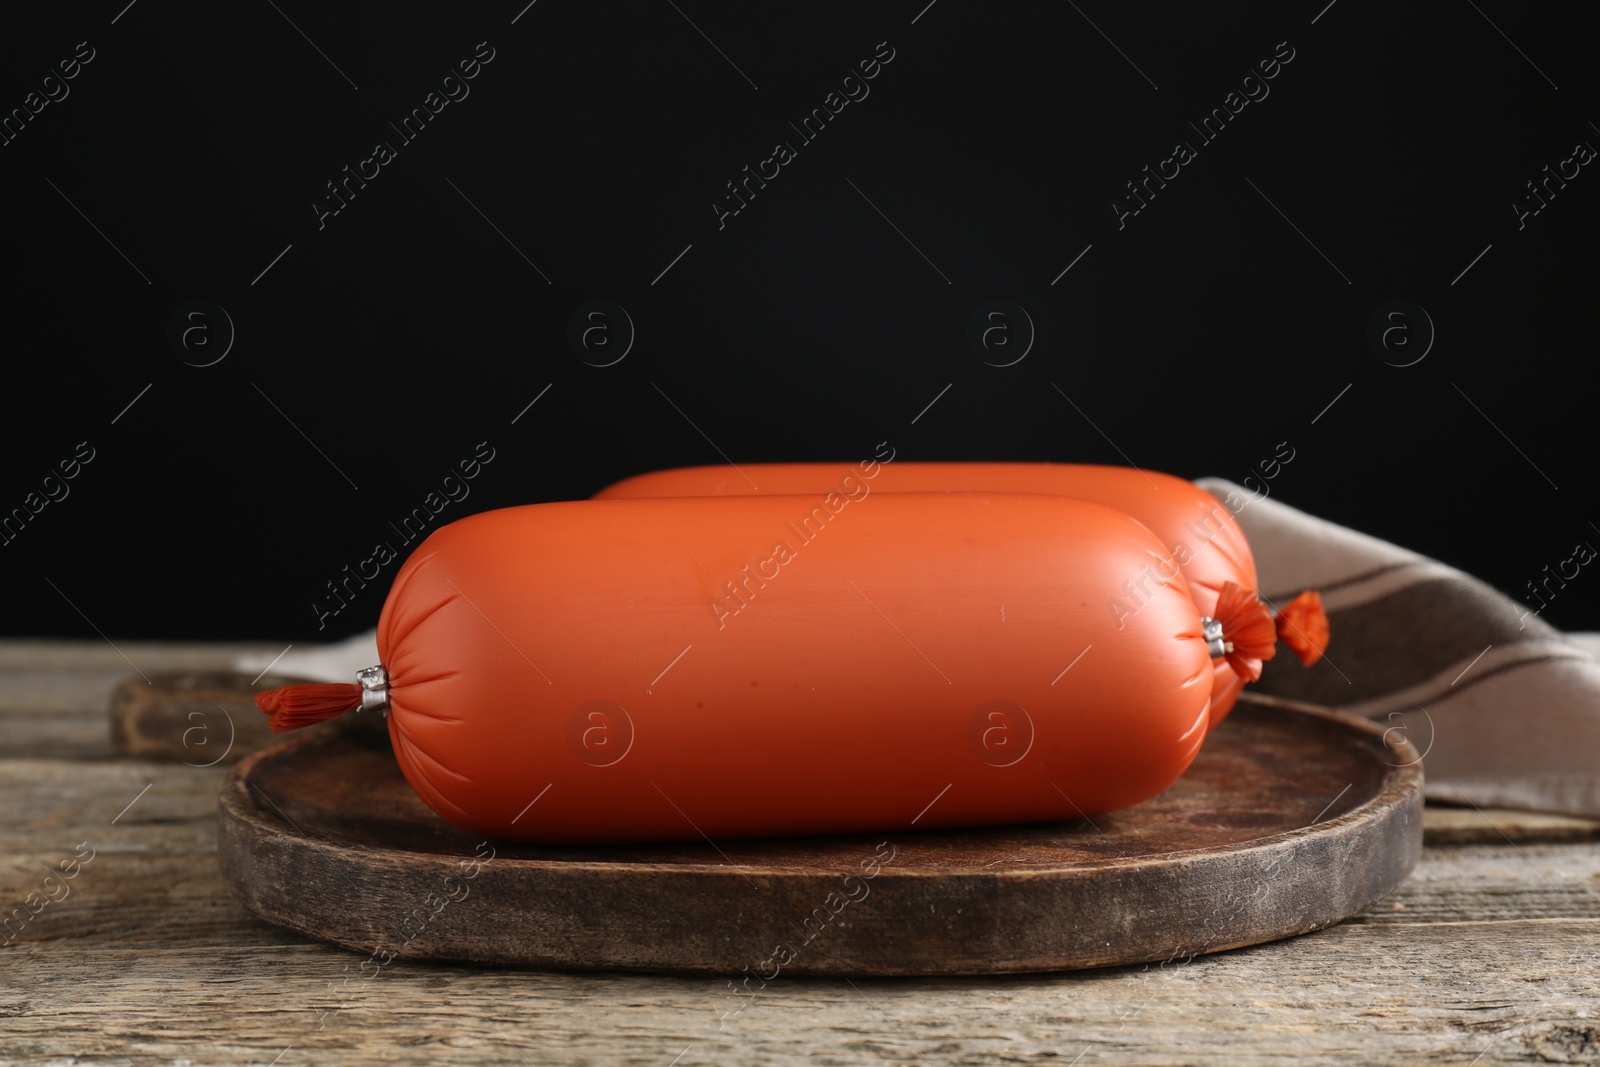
x,y
374,688
1212,631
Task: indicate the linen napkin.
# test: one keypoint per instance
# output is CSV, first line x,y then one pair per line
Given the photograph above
x,y
1504,708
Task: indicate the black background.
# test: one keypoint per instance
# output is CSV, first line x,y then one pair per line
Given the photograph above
x,y
406,329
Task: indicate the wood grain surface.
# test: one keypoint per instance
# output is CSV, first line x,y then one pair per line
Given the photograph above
x,y
1485,954
201,718
1289,820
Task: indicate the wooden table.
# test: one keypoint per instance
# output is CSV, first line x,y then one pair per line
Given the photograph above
x,y
1488,954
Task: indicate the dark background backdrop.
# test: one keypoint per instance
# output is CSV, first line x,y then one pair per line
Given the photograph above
x,y
423,318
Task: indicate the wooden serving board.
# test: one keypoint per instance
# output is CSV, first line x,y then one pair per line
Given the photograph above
x,y
1291,819
202,718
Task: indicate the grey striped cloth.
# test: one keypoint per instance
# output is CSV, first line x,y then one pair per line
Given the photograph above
x,y
1504,708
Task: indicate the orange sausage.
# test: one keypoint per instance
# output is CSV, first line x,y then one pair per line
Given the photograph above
x,y
1205,542
633,670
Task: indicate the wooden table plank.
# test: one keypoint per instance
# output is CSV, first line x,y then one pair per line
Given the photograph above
x,y
1495,882
164,844
1507,992
1446,825
54,695
62,736
1490,952
78,799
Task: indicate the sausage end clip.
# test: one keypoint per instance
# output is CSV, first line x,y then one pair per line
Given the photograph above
x,y
294,706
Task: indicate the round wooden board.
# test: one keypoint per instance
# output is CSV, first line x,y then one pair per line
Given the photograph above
x,y
1291,819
